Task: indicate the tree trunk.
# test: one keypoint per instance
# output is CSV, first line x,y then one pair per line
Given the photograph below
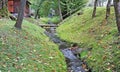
x,y
36,15
37,12
60,13
20,14
64,13
108,9
117,13
3,8
94,10
3,3
99,3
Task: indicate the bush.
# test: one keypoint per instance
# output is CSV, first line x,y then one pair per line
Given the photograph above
x,y
54,20
4,12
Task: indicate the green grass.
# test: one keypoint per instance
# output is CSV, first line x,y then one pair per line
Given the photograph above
x,y
96,33
28,50
54,20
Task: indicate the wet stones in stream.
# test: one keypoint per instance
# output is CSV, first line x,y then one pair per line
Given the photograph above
x,y
74,64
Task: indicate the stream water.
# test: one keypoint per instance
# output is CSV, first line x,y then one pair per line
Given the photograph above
x,y
74,64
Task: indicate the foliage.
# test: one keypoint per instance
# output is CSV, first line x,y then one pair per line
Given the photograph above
x,y
43,5
4,12
72,6
47,4
54,20
28,49
96,33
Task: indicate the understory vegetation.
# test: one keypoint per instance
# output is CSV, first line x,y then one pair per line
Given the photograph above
x,y
3,12
98,34
54,20
28,50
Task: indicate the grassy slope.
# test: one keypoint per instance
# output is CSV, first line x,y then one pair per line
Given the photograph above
x,y
95,33
28,50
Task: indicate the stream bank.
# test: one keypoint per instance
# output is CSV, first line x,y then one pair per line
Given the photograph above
x,y
74,64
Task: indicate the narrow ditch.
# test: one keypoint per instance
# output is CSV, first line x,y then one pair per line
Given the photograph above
x,y
74,64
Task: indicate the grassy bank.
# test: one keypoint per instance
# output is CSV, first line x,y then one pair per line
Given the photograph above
x,y
28,50
97,33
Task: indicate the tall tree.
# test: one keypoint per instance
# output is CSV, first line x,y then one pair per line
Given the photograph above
x,y
3,3
20,14
71,6
99,3
64,9
38,9
108,9
94,10
60,13
117,13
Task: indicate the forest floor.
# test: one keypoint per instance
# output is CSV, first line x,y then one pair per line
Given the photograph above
x,y
98,34
28,49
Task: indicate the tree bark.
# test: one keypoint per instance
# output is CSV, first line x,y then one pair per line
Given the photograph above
x,y
94,10
108,9
60,13
20,14
99,3
36,15
64,12
3,3
117,13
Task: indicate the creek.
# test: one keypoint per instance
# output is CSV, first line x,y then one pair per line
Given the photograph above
x,y
74,64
